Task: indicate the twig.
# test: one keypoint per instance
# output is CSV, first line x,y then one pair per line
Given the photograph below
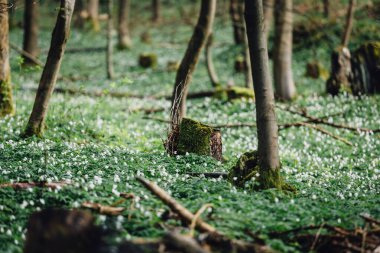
x,y
316,237
26,55
175,206
107,210
370,219
26,185
196,217
183,243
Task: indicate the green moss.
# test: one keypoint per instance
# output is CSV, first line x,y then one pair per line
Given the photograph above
x,y
33,130
148,60
234,92
316,70
194,137
6,99
247,172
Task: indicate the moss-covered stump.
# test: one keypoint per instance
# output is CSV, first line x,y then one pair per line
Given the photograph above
x,y
247,173
6,98
340,71
240,64
234,92
195,137
148,60
316,70
365,66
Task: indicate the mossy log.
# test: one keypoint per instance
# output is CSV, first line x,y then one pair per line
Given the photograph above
x,y
197,138
234,92
148,60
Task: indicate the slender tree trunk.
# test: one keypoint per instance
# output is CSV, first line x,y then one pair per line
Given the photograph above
x,y
123,30
190,60
156,10
267,130
282,59
78,14
248,67
268,15
326,8
31,30
237,18
93,14
110,72
6,98
209,62
349,21
49,76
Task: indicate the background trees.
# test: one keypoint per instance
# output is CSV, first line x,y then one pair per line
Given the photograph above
x,y
31,18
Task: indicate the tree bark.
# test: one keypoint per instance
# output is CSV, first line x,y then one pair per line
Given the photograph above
x,y
110,71
349,21
78,14
209,62
30,44
237,18
156,10
6,98
93,13
190,60
248,67
123,30
267,129
282,59
49,76
268,15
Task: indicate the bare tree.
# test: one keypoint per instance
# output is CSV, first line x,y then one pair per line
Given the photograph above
x,y
49,76
122,27
267,129
282,58
93,14
268,14
6,98
156,10
190,60
349,22
110,72
30,44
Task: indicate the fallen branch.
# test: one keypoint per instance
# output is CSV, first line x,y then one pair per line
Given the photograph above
x,y
209,174
107,210
85,50
26,55
177,208
26,185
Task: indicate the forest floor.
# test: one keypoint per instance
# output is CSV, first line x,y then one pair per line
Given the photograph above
x,y
100,144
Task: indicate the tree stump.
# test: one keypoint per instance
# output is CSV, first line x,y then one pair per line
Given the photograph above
x,y
61,231
194,137
148,60
315,70
340,71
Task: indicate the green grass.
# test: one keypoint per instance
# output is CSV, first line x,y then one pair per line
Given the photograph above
x,y
101,144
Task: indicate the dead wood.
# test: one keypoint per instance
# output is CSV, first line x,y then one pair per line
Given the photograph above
x,y
27,55
209,174
102,209
27,185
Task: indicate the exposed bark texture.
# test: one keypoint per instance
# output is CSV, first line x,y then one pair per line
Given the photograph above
x,y
267,130
237,18
93,14
156,10
209,62
349,22
6,99
122,26
190,60
268,15
282,59
110,71
30,44
49,76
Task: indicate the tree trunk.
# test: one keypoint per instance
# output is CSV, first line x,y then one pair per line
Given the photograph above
x,y
123,30
248,67
209,63
78,14
110,72
49,76
326,8
267,130
349,21
268,15
282,59
190,60
6,98
93,14
237,18
156,12
31,30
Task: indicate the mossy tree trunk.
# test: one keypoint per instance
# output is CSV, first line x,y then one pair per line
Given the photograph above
x,y
49,76
267,129
282,59
30,43
110,71
122,27
190,60
93,14
156,10
6,99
